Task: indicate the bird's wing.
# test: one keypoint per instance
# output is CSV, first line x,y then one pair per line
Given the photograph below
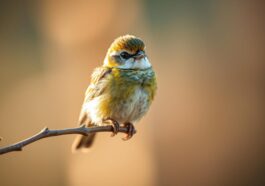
x,y
97,86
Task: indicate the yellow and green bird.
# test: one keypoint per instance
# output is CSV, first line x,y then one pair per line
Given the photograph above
x,y
120,91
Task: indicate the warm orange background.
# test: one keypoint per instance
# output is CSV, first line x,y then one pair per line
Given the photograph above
x,y
206,126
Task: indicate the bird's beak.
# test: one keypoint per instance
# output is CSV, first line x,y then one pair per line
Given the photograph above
x,y
139,55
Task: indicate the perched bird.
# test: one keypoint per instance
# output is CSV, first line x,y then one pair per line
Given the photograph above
x,y
120,92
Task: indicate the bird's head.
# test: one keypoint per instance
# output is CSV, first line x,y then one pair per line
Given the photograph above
x,y
127,52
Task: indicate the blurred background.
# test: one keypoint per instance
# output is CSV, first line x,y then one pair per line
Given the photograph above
x,y
205,127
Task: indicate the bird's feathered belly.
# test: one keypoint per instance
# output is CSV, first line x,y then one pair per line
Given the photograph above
x,y
131,107
126,99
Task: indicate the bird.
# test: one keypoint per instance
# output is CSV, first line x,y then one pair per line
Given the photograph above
x,y
120,91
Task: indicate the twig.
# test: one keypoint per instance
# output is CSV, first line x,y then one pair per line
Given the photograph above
x,y
44,133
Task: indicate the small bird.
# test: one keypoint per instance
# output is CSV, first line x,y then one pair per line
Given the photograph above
x,y
120,91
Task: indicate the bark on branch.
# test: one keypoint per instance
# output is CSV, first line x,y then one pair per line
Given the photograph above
x,y
44,133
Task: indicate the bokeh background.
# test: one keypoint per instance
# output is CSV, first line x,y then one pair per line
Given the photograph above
x,y
205,127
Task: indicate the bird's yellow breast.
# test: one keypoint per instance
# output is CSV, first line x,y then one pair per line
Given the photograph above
x,y
128,95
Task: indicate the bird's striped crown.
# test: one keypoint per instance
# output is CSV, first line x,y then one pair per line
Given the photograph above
x,y
127,42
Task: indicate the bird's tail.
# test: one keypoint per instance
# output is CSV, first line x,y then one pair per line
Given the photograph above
x,y
83,143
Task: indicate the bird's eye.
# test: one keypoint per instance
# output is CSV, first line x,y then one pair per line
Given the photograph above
x,y
125,55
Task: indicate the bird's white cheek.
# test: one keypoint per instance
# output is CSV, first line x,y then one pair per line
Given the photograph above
x,y
128,64
136,64
142,63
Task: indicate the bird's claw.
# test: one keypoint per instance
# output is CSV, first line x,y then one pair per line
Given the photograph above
x,y
115,125
131,131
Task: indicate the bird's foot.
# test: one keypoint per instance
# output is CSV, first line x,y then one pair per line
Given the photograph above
x,y
131,131
115,125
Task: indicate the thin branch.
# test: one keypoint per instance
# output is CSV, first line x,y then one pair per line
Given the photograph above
x,y
44,133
